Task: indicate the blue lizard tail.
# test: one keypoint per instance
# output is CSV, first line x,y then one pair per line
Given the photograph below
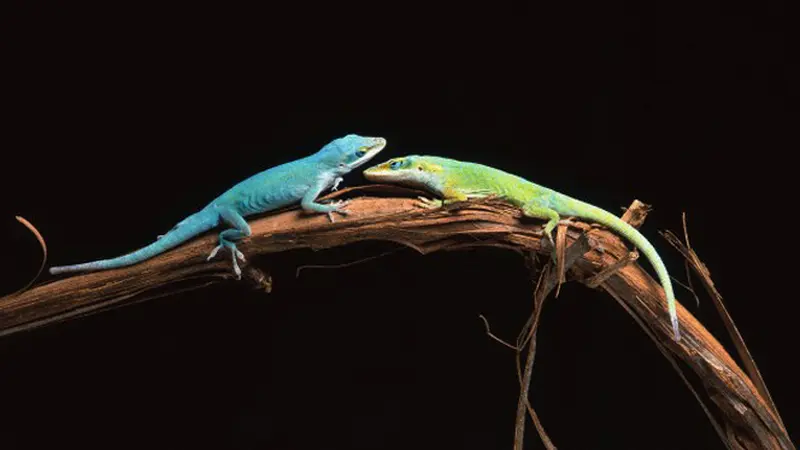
x,y
193,225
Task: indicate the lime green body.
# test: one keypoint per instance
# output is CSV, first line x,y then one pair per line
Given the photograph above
x,y
459,180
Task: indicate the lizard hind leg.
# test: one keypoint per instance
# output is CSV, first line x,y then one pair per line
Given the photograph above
x,y
450,196
537,211
228,238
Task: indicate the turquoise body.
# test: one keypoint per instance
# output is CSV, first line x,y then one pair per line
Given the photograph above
x,y
301,180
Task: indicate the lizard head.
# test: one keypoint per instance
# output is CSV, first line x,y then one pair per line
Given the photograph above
x,y
349,152
412,171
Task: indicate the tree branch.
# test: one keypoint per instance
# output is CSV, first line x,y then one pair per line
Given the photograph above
x,y
748,419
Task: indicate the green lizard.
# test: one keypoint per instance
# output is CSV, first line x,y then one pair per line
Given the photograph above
x,y
458,181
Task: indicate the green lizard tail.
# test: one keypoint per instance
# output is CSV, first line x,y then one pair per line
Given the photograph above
x,y
577,208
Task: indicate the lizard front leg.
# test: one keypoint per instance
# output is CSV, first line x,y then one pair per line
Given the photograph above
x,y
241,229
309,202
428,203
449,197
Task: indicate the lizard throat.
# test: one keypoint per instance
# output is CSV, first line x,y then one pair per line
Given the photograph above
x,y
418,180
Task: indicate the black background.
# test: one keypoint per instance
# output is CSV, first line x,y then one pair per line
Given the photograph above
x,y
120,121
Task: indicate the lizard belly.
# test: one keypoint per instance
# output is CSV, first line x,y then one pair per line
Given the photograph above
x,y
264,200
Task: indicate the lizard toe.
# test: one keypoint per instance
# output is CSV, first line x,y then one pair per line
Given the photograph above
x,y
236,269
214,252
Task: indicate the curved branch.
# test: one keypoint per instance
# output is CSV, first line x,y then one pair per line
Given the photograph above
x,y
748,419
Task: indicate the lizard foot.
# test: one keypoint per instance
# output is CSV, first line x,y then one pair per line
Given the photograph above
x,y
569,221
336,183
551,243
235,253
549,235
337,204
428,203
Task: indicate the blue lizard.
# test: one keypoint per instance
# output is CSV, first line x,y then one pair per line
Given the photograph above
x,y
301,180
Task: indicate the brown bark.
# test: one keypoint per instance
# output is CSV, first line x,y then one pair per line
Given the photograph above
x,y
748,419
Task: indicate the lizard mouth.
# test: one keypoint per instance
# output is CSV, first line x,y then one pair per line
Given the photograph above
x,y
399,177
374,174
377,145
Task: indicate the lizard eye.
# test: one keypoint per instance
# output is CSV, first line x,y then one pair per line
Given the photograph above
x,y
395,165
361,152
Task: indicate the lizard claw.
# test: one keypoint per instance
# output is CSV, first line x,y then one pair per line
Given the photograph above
x,y
424,202
551,239
549,235
566,222
235,254
236,268
336,183
552,243
337,208
214,252
343,212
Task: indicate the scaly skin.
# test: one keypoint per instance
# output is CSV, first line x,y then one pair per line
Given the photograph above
x,y
458,181
302,180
